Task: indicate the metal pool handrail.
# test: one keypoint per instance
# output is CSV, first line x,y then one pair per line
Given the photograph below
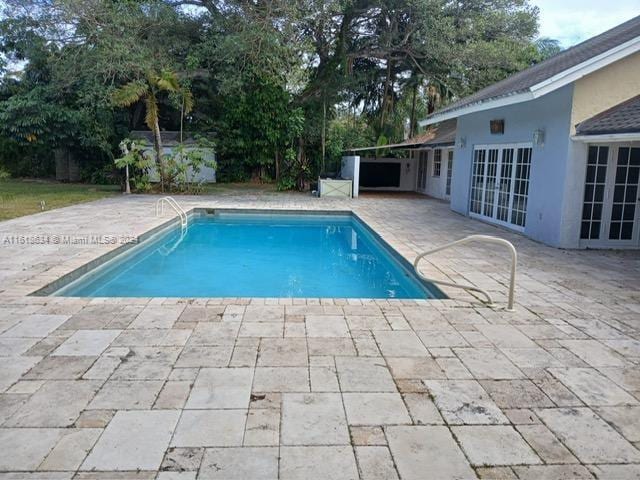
x,y
173,204
475,238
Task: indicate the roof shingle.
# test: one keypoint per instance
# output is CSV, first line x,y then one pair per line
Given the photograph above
x,y
623,118
522,81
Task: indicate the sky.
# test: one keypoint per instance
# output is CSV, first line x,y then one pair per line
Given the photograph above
x,y
572,21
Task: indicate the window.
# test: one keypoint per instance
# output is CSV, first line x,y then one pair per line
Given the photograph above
x,y
449,172
437,162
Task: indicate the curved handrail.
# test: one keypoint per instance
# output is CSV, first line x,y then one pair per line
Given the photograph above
x,y
475,238
173,204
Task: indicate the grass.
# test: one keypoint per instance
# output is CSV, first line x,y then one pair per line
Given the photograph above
x,y
23,197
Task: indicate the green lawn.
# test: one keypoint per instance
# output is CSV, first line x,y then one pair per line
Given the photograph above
x,y
23,197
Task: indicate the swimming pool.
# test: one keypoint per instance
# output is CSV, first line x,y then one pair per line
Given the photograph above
x,y
233,254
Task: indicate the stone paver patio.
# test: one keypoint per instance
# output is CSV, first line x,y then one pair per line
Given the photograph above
x,y
233,388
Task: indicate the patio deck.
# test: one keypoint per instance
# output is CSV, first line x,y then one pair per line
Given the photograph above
x,y
319,388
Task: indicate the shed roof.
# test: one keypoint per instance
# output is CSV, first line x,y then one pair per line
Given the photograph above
x,y
553,73
622,118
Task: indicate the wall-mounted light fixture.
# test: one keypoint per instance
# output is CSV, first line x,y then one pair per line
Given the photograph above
x,y
408,167
462,143
538,137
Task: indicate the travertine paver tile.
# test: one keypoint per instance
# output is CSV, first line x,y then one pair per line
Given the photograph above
x,y
617,472
94,418
545,443
627,347
364,374
14,346
126,395
375,463
281,379
318,463
627,378
263,313
400,343
210,428
58,368
375,409
10,403
37,326
624,419
367,436
313,419
516,394
506,336
176,476
133,440
23,449
55,404
420,449
255,463
12,368
261,329
87,343
323,379
557,392
221,388
555,472
496,473
494,445
331,346
449,338
173,395
425,368
263,427
152,316
488,363
592,387
422,409
214,334
103,368
594,353
71,450
283,352
204,356
367,322
152,338
589,437
326,326
464,402
202,314
182,459
453,368
531,358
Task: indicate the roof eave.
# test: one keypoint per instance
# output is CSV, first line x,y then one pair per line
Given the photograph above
x,y
547,86
607,137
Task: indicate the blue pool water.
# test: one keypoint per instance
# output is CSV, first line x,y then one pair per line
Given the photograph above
x,y
246,255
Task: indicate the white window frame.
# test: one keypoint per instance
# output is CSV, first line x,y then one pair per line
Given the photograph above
x,y
437,163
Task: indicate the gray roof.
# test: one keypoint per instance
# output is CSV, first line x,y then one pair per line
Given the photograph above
x,y
623,118
445,134
522,81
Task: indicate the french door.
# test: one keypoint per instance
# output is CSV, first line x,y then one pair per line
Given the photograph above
x,y
500,184
611,208
447,190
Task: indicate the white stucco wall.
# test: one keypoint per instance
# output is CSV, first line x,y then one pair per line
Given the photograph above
x,y
350,169
550,168
435,186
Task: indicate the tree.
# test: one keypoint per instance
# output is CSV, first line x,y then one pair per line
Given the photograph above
x,y
147,90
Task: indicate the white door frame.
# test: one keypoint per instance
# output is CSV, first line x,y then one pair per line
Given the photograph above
x,y
610,182
500,147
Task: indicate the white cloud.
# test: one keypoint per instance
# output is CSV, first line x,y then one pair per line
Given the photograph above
x,y
572,21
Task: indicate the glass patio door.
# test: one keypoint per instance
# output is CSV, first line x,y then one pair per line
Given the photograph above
x,y
611,205
447,190
500,184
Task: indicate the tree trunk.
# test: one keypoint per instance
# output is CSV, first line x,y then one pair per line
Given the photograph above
x,y
324,132
385,98
277,165
157,144
127,187
412,120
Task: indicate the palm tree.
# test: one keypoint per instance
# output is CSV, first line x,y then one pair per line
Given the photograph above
x,y
147,90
